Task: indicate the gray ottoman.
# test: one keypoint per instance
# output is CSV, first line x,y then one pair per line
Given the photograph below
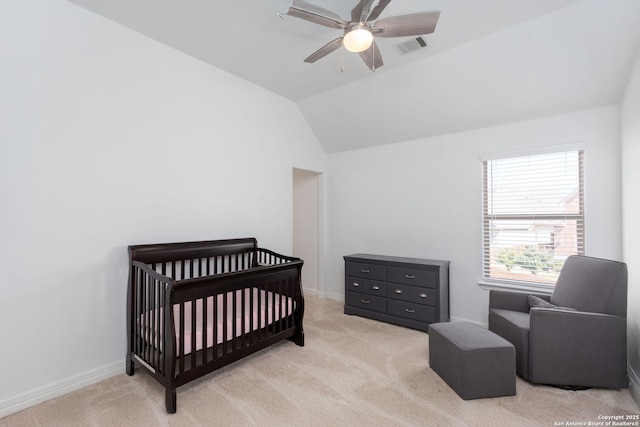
x,y
474,361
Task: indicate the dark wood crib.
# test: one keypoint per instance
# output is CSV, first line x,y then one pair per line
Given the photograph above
x,y
195,307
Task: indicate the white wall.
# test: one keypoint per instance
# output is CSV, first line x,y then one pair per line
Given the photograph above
x,y
423,198
630,215
108,138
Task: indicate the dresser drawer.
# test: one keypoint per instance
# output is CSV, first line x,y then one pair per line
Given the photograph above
x,y
366,301
371,287
367,271
412,276
420,312
412,294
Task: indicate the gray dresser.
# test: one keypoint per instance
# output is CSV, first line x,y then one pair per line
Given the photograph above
x,y
411,292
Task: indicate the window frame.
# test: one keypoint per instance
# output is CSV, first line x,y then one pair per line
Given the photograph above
x,y
529,286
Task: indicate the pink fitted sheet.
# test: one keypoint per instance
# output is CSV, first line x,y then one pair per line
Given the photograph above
x,y
262,314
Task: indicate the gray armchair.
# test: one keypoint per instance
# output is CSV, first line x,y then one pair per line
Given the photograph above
x,y
582,342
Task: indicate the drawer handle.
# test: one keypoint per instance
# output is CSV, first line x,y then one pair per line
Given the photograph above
x,y
376,288
409,276
408,310
423,295
365,301
356,284
364,271
398,291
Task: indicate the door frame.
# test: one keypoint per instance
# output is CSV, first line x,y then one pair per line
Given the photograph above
x,y
308,227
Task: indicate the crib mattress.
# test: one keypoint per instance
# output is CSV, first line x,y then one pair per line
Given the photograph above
x,y
220,328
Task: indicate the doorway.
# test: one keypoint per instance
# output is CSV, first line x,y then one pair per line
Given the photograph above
x,y
307,229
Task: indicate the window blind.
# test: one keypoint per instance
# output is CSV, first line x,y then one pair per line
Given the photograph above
x,y
533,215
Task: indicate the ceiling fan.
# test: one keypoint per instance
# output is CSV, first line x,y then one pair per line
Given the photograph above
x,y
359,33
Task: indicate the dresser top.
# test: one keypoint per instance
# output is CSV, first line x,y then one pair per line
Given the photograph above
x,y
384,259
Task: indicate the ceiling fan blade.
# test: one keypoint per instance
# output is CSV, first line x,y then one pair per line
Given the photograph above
x,y
414,24
378,10
361,11
372,57
324,50
316,14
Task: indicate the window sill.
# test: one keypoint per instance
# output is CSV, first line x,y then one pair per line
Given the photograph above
x,y
537,288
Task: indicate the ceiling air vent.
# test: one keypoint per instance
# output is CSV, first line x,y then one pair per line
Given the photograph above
x,y
411,45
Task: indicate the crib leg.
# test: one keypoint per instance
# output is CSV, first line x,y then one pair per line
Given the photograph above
x,y
298,338
170,400
129,365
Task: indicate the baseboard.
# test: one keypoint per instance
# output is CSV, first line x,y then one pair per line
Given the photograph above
x,y
311,292
634,384
334,297
59,388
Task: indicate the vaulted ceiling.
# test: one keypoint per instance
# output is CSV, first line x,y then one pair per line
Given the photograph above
x,y
487,63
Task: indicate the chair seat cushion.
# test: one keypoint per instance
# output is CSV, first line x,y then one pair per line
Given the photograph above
x,y
515,318
514,327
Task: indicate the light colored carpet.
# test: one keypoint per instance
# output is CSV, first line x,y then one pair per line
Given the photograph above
x,y
351,372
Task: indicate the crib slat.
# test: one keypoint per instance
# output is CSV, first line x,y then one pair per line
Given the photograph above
x,y
259,311
205,325
289,311
148,323
143,312
214,319
280,307
234,318
152,321
160,343
181,344
193,333
147,309
284,304
273,312
136,311
251,315
156,326
156,322
224,323
284,313
243,329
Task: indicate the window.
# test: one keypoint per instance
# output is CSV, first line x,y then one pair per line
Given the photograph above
x,y
533,216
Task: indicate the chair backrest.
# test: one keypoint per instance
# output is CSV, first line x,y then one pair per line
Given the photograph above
x,y
592,284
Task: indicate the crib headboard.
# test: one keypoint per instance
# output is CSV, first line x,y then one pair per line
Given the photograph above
x,y
164,252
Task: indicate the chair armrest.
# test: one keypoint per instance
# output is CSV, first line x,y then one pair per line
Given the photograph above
x,y
578,348
514,301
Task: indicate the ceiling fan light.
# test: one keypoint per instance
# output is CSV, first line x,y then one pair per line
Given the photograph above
x,y
358,40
